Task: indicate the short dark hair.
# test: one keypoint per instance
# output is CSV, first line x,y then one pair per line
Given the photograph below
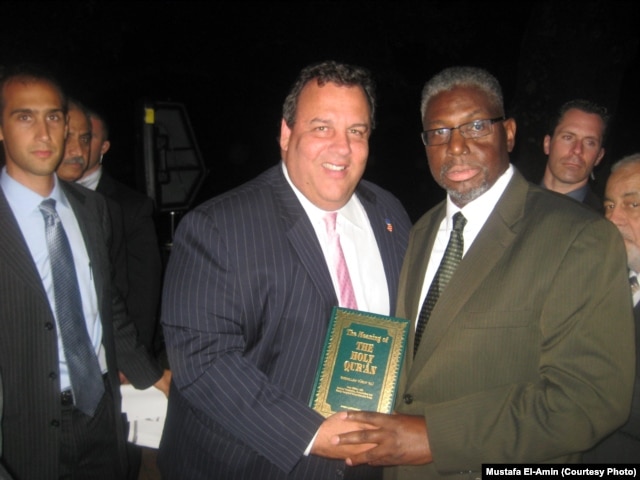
x,y
330,72
94,113
29,73
583,105
75,104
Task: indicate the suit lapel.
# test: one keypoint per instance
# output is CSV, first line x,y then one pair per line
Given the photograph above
x,y
302,236
304,241
18,257
422,243
487,250
90,229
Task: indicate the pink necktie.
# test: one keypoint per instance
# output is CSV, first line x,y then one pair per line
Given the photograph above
x,y
347,296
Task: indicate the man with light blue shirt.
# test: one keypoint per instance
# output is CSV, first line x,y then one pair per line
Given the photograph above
x,y
63,325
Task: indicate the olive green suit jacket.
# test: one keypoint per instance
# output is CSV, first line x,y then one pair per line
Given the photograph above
x,y
528,355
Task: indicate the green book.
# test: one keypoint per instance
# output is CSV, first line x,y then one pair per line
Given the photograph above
x,y
361,361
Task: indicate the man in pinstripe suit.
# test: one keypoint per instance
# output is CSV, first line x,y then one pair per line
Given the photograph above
x,y
248,293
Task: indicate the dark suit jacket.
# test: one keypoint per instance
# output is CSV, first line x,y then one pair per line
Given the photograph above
x,y
28,340
4,475
592,200
246,303
528,354
623,446
139,269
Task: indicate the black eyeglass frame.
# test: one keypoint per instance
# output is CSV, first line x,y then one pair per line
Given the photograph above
x,y
424,135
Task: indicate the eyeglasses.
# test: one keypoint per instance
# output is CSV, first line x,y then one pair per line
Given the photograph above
x,y
474,129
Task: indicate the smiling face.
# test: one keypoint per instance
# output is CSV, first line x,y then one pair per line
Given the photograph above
x,y
33,131
574,150
466,167
326,149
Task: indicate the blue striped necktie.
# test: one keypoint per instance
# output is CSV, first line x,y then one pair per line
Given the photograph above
x,y
84,370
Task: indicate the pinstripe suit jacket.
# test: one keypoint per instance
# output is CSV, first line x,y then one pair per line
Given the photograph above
x,y
4,475
246,302
28,340
528,355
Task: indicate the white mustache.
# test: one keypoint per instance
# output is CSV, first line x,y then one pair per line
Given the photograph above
x,y
78,160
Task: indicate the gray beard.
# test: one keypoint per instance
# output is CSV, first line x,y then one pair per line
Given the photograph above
x,y
461,199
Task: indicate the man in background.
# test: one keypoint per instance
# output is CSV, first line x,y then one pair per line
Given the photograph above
x,y
77,144
135,252
143,269
622,208
575,146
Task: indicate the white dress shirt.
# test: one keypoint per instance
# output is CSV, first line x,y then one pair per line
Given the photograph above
x,y
360,250
476,212
91,181
361,254
636,295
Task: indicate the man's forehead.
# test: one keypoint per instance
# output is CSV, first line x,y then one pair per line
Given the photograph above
x,y
625,181
26,87
79,119
575,117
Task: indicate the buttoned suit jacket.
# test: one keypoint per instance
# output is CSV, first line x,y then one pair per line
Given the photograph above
x,y
528,354
29,347
139,269
246,303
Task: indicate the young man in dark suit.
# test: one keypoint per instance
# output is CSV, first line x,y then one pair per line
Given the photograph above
x,y
51,428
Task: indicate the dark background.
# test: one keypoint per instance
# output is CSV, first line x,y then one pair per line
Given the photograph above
x,y
232,64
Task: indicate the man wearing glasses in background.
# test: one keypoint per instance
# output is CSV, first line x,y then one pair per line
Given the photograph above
x,y
526,355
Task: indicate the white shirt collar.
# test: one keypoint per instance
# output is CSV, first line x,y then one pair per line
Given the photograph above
x,y
481,207
348,212
91,181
